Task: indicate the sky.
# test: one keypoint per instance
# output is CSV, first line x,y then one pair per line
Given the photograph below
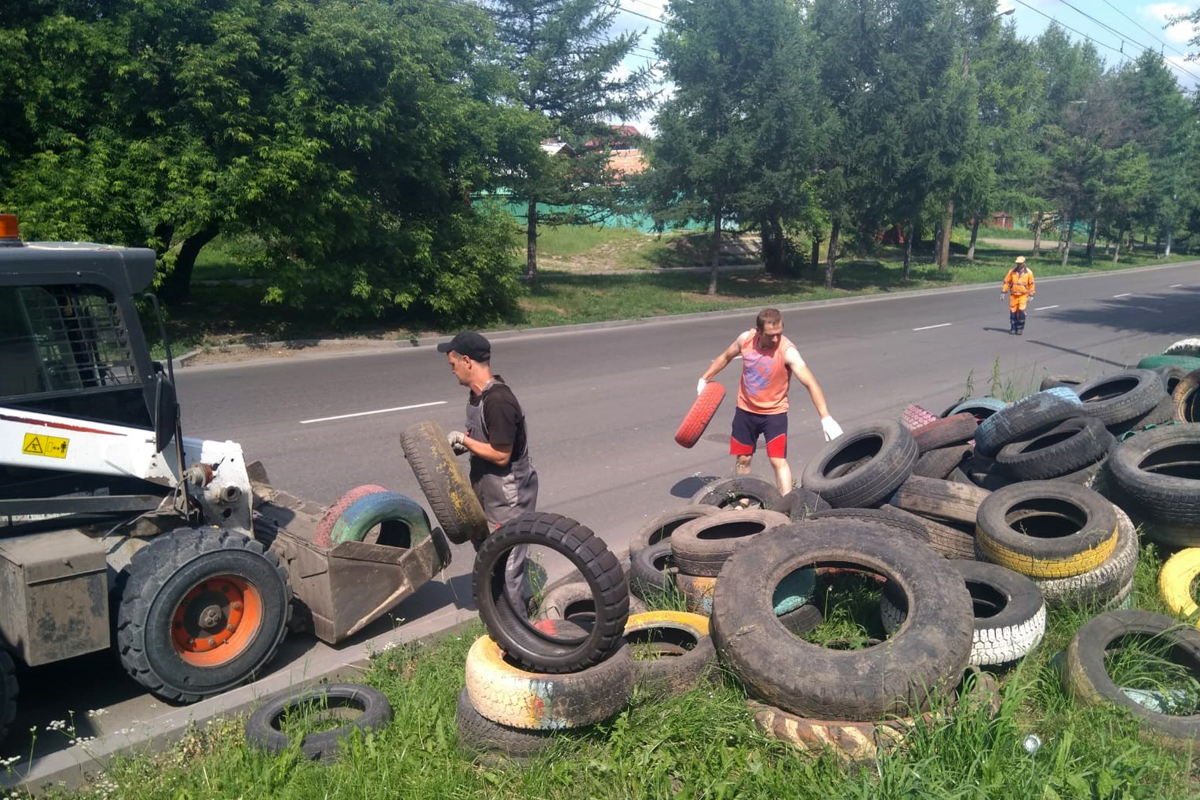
x,y
1120,30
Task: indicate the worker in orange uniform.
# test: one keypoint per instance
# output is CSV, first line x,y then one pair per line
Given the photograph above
x,y
1018,285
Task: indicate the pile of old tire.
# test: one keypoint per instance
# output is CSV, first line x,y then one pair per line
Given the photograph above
x,y
853,701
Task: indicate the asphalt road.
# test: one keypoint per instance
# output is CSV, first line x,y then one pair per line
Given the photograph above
x,y
602,406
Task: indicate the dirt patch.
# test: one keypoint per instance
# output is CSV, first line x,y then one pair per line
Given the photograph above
x,y
233,354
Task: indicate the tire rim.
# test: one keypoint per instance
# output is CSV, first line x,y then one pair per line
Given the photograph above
x,y
216,621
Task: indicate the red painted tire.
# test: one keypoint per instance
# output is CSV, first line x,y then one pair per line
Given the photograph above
x,y
914,417
323,537
951,430
702,412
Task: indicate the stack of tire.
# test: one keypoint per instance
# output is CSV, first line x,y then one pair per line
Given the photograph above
x,y
572,665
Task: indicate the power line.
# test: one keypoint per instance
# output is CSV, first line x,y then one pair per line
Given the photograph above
x,y
1151,35
1125,38
640,14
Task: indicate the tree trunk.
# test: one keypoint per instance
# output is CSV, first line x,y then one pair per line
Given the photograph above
x,y
772,243
908,246
1066,253
831,256
177,285
780,249
531,243
947,228
1062,232
1037,234
816,253
1091,245
974,236
716,249
1167,252
1117,252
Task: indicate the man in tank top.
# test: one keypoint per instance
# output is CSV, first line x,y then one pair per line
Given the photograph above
x,y
502,472
769,360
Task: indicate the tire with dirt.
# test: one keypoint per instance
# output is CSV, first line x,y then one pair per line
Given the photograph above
x,y
1103,586
701,413
1086,678
448,491
739,490
1185,400
652,572
534,647
660,527
1158,473
264,728
1024,418
201,611
943,500
8,693
1069,446
1121,398
800,503
478,735
940,463
531,700
1046,529
956,429
884,452
322,537
943,539
1010,614
697,591
675,648
924,659
703,545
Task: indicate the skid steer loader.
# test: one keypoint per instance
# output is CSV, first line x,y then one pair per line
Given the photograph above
x,y
115,531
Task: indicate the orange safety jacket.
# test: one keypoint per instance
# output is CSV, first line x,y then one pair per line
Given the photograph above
x,y
1019,285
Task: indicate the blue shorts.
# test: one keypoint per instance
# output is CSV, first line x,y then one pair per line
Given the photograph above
x,y
747,427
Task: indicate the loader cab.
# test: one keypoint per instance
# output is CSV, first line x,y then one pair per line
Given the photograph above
x,y
71,343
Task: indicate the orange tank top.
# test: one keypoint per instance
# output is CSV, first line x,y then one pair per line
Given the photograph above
x,y
765,377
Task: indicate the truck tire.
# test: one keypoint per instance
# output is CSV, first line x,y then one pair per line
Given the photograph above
x,y
263,729
8,693
445,487
1185,400
943,500
1065,529
660,528
1069,446
924,659
1010,614
189,583
403,523
479,735
1086,678
733,491
682,651
956,429
886,452
703,545
1120,398
518,698
322,537
535,647
701,413
1024,418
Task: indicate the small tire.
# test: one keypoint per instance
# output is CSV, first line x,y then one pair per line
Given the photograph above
x,y
1175,582
8,693
448,491
683,650
528,645
517,698
573,602
1065,529
322,535
885,452
167,604
1121,398
660,527
403,522
955,429
1024,418
732,491
263,728
1104,585
700,414
479,735
943,500
1069,446
1086,679
703,545
1185,400
1010,614
652,572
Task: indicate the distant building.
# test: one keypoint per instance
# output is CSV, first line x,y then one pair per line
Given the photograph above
x,y
627,157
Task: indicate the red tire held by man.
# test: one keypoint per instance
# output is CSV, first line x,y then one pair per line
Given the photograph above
x,y
701,413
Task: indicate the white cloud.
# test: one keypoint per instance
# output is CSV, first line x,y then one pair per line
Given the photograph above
x,y
1161,12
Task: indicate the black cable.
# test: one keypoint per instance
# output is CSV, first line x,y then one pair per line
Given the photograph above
x,y
1151,35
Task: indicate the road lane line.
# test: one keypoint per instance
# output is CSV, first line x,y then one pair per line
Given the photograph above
x,y
368,413
931,327
1043,308
1122,295
1176,285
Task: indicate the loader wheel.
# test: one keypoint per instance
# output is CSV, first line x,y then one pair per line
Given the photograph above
x,y
8,693
202,611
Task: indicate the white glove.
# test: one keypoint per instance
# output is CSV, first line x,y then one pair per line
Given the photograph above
x,y
455,440
700,386
831,428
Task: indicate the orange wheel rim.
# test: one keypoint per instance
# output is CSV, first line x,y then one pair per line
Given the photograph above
x,y
216,621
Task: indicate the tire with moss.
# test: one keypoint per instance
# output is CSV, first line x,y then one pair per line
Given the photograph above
x,y
448,491
672,651
264,729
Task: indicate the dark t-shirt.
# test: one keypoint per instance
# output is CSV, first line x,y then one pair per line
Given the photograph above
x,y
502,418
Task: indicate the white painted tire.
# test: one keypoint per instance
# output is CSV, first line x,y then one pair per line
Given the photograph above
x,y
1184,347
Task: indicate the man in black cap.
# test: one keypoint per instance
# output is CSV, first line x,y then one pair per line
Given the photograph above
x,y
502,473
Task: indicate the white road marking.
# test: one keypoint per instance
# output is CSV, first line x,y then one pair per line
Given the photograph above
x,y
1122,295
1043,308
1176,285
931,327
368,413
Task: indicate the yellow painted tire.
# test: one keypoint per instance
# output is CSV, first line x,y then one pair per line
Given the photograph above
x,y
697,592
1175,583
509,695
681,649
1046,529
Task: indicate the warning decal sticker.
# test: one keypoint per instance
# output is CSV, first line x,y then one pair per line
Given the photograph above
x,y
48,446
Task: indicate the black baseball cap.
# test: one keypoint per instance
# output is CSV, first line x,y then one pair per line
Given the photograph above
x,y
469,344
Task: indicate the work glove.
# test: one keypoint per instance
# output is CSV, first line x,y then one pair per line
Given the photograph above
x,y
831,429
456,441
700,386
